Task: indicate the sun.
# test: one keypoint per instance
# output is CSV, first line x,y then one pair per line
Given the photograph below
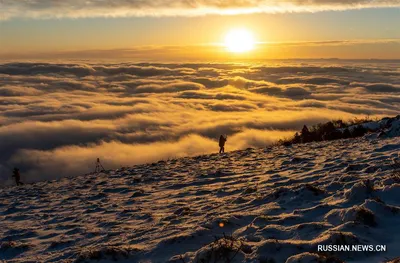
x,y
239,40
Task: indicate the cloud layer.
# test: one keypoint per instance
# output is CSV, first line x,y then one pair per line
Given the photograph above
x,y
116,8
388,49
56,119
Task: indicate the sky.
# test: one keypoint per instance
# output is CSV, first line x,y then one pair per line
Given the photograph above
x,y
195,30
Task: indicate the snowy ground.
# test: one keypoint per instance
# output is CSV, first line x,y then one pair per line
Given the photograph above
x,y
273,205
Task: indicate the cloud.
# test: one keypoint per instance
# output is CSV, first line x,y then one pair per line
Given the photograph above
x,y
376,87
296,92
12,91
311,104
47,135
45,68
207,95
381,87
229,107
83,70
76,160
311,80
142,70
96,8
172,87
304,69
56,118
289,92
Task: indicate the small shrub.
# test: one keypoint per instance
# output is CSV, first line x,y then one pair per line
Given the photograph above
x,y
359,131
362,120
286,143
370,186
315,190
278,193
326,258
346,134
266,260
60,243
114,252
345,239
224,249
13,245
250,190
365,216
378,199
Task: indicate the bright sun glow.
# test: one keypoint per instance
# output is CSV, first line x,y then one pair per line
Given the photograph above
x,y
239,40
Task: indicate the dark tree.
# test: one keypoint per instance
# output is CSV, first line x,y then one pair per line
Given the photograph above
x,y
305,135
359,131
346,133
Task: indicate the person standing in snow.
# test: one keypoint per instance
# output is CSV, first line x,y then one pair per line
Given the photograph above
x,y
222,141
17,177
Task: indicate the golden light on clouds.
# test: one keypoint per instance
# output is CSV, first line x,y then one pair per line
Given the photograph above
x,y
124,8
239,40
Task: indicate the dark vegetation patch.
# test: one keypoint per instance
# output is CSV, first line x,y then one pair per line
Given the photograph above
x,y
114,252
315,190
332,130
326,258
223,249
365,216
7,245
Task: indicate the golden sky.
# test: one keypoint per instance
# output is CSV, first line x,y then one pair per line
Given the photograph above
x,y
178,31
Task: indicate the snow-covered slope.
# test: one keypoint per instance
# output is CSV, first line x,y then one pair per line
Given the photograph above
x,y
256,205
387,127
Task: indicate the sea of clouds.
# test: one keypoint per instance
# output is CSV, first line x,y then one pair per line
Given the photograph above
x,y
57,118
123,8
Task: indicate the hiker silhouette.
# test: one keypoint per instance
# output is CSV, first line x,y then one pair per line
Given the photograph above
x,y
17,177
222,141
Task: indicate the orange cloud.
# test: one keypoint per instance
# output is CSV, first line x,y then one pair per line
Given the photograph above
x,y
123,8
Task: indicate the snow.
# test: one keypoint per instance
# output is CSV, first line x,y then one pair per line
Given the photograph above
x,y
389,127
257,205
